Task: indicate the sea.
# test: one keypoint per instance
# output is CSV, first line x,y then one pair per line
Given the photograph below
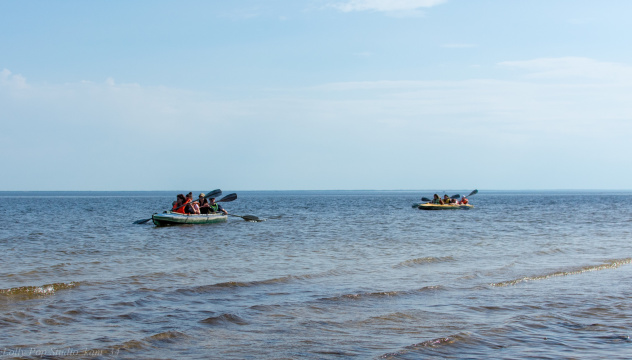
x,y
327,275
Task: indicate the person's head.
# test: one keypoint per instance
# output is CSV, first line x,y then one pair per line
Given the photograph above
x,y
436,196
180,197
446,197
211,200
190,195
201,196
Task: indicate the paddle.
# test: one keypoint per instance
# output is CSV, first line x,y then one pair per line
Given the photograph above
x,y
212,194
247,217
227,198
472,193
233,196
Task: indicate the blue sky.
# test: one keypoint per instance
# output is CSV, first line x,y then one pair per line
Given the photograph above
x,y
315,94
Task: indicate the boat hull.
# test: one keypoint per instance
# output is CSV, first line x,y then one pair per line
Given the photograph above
x,y
444,207
171,218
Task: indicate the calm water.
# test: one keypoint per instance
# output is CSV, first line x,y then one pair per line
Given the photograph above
x,y
329,275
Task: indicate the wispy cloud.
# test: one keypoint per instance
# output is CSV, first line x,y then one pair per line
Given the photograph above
x,y
147,123
385,5
10,80
573,67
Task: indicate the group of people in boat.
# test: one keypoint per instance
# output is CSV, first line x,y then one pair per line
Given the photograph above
x,y
448,201
186,205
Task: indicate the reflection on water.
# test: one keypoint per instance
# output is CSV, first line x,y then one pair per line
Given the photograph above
x,y
328,275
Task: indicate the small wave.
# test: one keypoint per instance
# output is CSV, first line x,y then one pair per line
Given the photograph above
x,y
550,251
362,296
167,336
434,343
130,316
397,317
424,260
273,281
57,320
265,307
379,294
117,351
224,319
616,338
613,264
233,284
34,291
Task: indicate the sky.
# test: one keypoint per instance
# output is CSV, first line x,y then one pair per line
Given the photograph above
x,y
315,95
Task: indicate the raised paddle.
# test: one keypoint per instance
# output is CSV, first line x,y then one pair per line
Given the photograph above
x,y
472,193
227,198
212,194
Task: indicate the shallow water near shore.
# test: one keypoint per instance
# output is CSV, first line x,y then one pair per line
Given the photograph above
x,y
328,275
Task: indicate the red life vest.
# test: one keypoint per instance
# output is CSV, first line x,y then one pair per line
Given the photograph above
x,y
180,210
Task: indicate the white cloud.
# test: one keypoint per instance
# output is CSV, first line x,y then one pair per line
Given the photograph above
x,y
555,98
573,67
114,129
385,5
14,81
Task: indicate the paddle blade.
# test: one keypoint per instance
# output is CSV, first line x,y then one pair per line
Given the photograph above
x,y
141,221
473,193
247,217
455,196
250,218
425,199
213,194
227,198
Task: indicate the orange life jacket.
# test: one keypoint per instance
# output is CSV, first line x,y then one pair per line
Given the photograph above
x,y
180,209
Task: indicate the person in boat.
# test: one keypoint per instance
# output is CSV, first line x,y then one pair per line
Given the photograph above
x,y
464,200
446,199
215,207
177,205
436,200
196,207
203,203
189,209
